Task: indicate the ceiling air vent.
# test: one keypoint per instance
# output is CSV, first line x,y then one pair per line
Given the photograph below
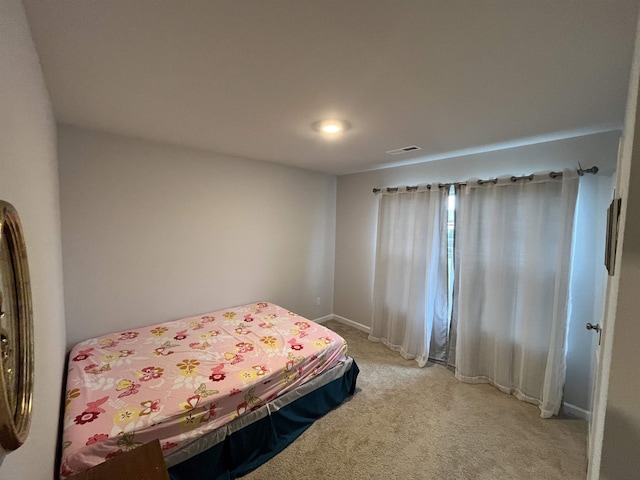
x,y
408,149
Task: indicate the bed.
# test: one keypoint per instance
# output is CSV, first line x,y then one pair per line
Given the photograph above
x,y
222,391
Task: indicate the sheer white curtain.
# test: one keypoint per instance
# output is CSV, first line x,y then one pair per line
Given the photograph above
x,y
513,243
410,288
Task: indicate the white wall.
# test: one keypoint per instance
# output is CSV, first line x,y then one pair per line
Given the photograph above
x,y
153,232
588,289
29,180
356,219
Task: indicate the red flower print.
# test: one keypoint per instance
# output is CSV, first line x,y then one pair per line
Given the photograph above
x,y
149,373
234,391
297,346
263,305
248,318
82,355
85,417
217,374
126,353
207,319
181,335
128,335
97,438
217,377
168,445
90,367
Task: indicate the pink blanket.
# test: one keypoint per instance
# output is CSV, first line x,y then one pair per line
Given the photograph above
x,y
179,380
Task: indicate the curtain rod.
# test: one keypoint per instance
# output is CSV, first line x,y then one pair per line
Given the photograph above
x,y
581,172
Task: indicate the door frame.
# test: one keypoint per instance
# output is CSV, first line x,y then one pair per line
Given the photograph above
x,y
623,171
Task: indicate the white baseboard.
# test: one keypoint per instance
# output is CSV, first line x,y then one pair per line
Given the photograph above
x,y
321,320
576,411
351,323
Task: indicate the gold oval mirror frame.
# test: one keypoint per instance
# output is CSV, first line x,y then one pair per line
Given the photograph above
x,y
16,332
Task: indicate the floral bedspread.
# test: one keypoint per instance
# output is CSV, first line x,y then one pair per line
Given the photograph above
x,y
178,380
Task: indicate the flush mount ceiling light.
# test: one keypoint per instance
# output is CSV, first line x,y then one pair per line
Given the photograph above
x,y
330,127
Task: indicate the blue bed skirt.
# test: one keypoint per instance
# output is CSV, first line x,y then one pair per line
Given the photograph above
x,y
250,447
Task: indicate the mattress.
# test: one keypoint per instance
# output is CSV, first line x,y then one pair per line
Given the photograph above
x,y
247,442
178,381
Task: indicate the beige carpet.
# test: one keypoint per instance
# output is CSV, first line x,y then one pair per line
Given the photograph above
x,y
405,422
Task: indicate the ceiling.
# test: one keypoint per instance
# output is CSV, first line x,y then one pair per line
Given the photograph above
x,y
248,78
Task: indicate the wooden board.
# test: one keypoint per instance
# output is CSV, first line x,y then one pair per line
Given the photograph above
x,y
142,463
